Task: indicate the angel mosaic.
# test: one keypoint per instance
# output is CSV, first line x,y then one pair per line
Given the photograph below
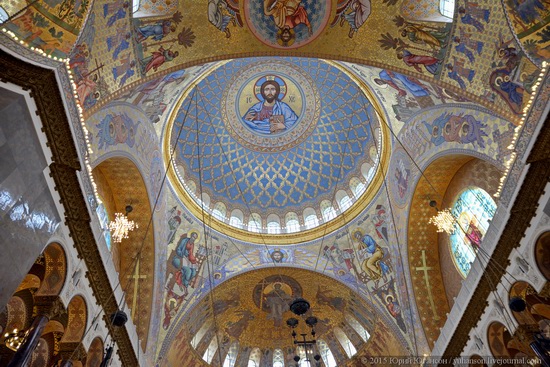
x,y
353,12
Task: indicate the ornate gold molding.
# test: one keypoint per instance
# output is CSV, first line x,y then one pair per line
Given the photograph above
x,y
45,91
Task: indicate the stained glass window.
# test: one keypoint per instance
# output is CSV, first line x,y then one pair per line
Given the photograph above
x,y
104,223
473,210
447,8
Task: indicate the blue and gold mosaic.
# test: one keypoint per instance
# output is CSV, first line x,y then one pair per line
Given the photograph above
x,y
268,169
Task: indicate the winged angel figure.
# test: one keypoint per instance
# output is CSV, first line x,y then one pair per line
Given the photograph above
x,y
355,12
223,12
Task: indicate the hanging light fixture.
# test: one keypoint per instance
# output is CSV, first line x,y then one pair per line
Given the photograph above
x,y
15,339
444,221
299,307
121,226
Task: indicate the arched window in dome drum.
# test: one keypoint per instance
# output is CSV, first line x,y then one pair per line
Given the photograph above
x,y
345,203
356,325
103,217
327,210
199,335
236,218
329,213
211,350
292,226
254,223
447,8
216,213
345,342
278,358
356,186
273,228
219,211
326,354
235,222
3,14
231,356
472,212
291,222
310,218
254,359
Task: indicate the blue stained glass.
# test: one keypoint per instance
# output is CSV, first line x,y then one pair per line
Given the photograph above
x,y
473,211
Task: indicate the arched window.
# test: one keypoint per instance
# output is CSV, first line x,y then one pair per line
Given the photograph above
x,y
326,354
278,358
345,342
103,218
254,223
210,351
3,15
329,213
198,336
359,329
273,228
235,222
311,221
291,222
447,8
216,213
231,356
472,211
292,226
219,211
135,5
345,203
360,188
254,359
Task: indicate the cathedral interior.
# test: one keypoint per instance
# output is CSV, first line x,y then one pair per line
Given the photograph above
x,y
274,183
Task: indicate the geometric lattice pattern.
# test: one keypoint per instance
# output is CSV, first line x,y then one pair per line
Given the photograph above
x,y
290,179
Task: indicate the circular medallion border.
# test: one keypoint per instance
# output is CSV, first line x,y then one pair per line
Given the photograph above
x,y
298,80
399,175
265,27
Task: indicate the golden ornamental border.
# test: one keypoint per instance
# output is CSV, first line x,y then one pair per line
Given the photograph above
x,y
287,238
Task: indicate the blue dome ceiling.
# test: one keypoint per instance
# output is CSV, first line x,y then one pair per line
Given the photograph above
x,y
257,165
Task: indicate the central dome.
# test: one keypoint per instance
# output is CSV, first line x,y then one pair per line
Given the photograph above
x,y
276,146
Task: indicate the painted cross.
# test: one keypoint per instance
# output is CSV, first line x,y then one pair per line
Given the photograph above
x,y
424,268
136,276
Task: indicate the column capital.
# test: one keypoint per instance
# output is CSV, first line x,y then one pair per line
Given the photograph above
x,y
49,306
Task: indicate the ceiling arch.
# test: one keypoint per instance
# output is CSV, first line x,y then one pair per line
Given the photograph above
x,y
250,308
119,184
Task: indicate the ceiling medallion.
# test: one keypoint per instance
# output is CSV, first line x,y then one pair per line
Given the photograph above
x,y
270,107
287,24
